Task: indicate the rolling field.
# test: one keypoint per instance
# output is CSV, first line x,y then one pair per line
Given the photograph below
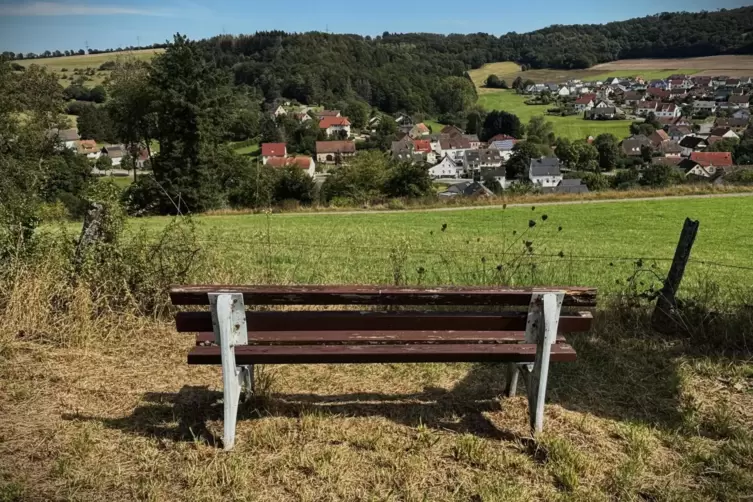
x,y
70,63
369,248
89,60
573,127
739,66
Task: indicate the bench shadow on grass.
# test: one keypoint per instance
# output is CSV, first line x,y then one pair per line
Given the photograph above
x,y
626,379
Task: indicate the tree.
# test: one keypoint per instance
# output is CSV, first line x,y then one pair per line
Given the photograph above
x,y
609,151
660,175
565,152
517,83
361,180
520,162
358,112
455,94
294,184
527,84
643,128
95,123
132,106
269,131
193,99
724,145
586,156
540,131
98,94
494,82
595,181
104,163
647,153
406,179
492,184
653,121
500,122
743,154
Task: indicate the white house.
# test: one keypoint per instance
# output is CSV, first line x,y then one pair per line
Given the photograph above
x,y
305,163
445,169
564,91
115,152
545,172
279,111
646,107
584,103
333,125
332,152
670,110
505,148
704,106
68,137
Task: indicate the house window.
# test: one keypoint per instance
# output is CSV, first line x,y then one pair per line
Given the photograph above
x,y
330,158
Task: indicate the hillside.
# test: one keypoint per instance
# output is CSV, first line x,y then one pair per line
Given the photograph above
x,y
406,72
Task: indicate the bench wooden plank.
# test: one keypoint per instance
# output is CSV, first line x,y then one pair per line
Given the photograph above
x,y
345,320
374,337
376,295
334,354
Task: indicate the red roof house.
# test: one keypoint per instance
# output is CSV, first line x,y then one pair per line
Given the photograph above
x,y
327,122
269,150
716,159
421,145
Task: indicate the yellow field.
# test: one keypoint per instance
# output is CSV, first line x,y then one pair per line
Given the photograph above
x,y
89,60
70,63
647,68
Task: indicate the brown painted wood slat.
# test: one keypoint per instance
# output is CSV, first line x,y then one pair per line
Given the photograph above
x,y
334,354
376,295
374,337
351,320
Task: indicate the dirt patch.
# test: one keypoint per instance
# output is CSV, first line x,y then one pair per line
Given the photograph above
x,y
715,65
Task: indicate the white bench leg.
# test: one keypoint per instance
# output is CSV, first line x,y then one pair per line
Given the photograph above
x,y
247,372
229,321
541,328
511,380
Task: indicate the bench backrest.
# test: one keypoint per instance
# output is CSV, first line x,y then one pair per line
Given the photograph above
x,y
394,320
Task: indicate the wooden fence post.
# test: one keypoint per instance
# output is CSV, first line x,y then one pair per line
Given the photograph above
x,y
664,318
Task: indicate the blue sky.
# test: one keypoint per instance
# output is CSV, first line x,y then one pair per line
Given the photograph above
x,y
31,26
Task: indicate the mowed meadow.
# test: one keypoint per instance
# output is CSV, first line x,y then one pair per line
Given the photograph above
x,y
98,403
594,244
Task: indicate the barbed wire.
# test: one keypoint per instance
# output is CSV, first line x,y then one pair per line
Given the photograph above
x,y
385,250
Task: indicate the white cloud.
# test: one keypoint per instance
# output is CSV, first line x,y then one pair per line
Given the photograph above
x,y
65,9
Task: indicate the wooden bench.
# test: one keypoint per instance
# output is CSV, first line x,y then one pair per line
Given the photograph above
x,y
237,339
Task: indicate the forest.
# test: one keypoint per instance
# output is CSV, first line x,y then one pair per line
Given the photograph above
x,y
409,72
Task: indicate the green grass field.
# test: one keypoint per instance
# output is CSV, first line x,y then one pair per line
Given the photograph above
x,y
434,125
250,150
372,248
573,127
98,403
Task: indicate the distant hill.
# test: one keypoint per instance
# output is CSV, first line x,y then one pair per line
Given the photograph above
x,y
409,72
417,72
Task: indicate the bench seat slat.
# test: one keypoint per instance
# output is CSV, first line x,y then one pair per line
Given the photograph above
x,y
322,320
376,295
374,337
334,354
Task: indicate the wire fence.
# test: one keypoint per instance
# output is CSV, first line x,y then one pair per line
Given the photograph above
x,y
446,250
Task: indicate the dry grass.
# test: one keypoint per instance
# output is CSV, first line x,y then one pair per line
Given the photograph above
x,y
97,405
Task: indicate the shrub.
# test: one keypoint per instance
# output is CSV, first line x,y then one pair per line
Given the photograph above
x,y
76,107
107,65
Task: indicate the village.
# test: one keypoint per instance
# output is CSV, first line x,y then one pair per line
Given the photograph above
x,y
690,118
